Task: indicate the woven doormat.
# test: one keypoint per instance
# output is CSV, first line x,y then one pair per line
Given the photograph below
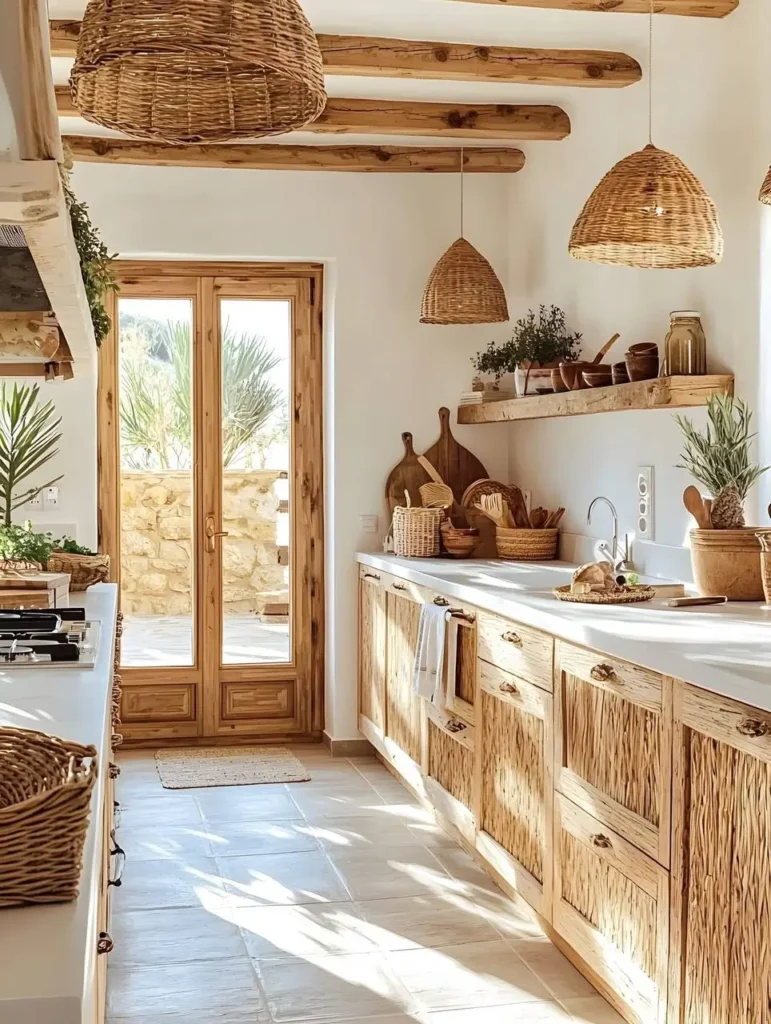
x,y
194,768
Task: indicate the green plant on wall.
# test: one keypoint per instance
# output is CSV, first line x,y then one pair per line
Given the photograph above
x,y
538,340
29,435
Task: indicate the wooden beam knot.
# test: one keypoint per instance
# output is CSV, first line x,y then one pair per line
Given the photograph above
x,y
457,119
442,55
483,53
594,71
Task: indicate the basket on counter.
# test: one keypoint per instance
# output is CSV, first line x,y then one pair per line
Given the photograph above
x,y
45,799
84,570
416,530
527,545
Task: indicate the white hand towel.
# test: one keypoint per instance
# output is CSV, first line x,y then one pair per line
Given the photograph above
x,y
428,678
450,667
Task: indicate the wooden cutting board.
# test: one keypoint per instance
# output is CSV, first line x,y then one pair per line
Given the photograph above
x,y
407,475
454,463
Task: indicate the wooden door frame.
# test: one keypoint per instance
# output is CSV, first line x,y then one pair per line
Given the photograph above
x,y
308,480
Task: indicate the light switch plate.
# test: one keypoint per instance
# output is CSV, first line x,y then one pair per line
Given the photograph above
x,y
645,510
51,497
368,524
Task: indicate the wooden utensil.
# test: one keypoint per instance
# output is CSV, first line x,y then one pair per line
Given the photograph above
x,y
519,510
407,475
554,518
455,464
694,502
606,348
495,508
538,518
693,602
435,494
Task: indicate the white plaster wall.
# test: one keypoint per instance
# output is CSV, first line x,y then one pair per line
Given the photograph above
x,y
379,237
706,109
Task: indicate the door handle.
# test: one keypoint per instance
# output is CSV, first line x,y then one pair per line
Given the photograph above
x,y
212,533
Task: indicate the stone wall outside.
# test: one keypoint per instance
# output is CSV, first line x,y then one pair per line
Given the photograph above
x,y
156,542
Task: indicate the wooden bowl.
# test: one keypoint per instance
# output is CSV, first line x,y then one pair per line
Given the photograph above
x,y
557,382
572,375
619,374
600,376
460,542
643,348
642,367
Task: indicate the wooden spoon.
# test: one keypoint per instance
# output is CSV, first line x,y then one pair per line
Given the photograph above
x,y
694,502
519,510
606,348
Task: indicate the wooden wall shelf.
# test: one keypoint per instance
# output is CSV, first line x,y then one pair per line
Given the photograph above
x,y
661,393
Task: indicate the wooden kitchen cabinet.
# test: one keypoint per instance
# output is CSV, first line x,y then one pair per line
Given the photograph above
x,y
613,745
521,650
515,766
449,747
403,710
372,648
721,862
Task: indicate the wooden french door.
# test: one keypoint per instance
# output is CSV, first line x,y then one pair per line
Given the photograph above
x,y
211,502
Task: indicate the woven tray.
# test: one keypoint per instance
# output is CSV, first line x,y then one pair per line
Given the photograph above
x,y
628,595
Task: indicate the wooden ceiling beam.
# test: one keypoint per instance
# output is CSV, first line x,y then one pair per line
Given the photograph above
x,y
687,8
429,120
374,57
273,157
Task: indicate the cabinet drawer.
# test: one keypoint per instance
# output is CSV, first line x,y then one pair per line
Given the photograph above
x,y
613,746
611,904
525,652
449,768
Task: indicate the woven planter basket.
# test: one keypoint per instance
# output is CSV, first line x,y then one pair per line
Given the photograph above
x,y
197,70
45,798
84,570
416,531
527,545
765,190
463,289
649,211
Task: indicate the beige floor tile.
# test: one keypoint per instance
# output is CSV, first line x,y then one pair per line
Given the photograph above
x,y
204,993
149,938
555,970
430,834
233,839
358,832
307,930
468,975
416,922
389,872
592,1010
458,864
343,987
282,879
164,807
164,842
338,802
162,884
245,803
517,1013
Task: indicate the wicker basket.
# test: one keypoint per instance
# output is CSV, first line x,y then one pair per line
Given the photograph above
x,y
527,545
416,531
208,71
45,798
618,226
463,289
84,570
765,190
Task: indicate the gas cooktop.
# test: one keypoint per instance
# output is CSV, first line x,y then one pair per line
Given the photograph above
x,y
38,638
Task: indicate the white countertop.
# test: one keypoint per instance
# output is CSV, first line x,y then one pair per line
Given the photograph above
x,y
47,964
722,648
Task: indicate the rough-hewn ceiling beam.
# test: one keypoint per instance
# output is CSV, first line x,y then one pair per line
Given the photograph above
x,y
388,159
429,120
688,8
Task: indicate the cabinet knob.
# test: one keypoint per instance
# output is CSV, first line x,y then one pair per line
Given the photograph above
x,y
398,586
104,943
602,673
371,576
508,688
455,725
512,638
602,842
753,727
441,601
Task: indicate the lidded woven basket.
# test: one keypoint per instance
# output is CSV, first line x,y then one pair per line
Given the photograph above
x,y
649,211
186,71
463,289
45,799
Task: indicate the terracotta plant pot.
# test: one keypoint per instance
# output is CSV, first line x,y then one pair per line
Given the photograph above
x,y
727,563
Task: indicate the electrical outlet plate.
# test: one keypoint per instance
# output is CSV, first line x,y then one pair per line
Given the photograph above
x,y
645,510
36,502
51,497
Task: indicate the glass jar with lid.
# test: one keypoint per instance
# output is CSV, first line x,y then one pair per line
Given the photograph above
x,y
685,349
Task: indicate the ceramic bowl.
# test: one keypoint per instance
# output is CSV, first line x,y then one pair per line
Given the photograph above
x,y
600,376
643,348
556,380
572,375
642,367
619,374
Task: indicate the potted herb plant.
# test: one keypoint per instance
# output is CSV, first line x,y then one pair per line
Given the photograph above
x,y
725,557
540,341
22,548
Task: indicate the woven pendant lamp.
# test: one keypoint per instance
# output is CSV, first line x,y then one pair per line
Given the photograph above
x,y
765,190
463,287
203,71
649,211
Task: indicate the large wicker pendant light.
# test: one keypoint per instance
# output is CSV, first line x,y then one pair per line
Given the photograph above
x,y
463,288
649,211
765,190
197,70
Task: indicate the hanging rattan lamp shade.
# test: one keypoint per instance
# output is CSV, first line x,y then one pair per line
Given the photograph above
x,y
463,289
765,190
649,211
197,70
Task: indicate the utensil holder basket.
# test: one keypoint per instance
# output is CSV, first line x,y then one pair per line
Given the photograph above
x,y
527,545
84,570
416,531
45,801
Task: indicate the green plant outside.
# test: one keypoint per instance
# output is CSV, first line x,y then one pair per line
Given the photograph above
x,y
29,435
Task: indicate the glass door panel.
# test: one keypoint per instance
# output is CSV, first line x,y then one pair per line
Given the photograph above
x,y
157,493
256,386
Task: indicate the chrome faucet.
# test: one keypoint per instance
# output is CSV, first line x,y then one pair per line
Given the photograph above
x,y
619,560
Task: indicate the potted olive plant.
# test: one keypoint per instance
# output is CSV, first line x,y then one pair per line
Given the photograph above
x,y
540,341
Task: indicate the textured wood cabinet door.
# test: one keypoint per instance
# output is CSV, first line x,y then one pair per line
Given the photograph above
x,y
403,711
611,905
515,763
449,747
721,862
613,747
372,648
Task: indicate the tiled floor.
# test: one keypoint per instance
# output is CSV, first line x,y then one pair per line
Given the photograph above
x,y
336,900
153,640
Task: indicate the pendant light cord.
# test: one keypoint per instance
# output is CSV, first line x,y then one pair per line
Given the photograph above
x,y
650,75
461,191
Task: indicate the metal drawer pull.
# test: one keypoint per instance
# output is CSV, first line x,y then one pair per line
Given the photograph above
x,y
104,943
603,673
370,576
454,725
508,688
398,586
441,601
602,842
114,770
119,853
753,727
512,638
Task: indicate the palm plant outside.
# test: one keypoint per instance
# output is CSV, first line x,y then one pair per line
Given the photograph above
x,y
29,435
156,408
